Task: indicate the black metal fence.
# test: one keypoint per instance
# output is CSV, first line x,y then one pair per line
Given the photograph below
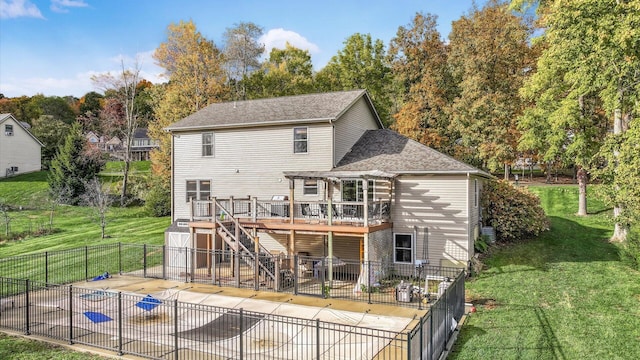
x,y
438,288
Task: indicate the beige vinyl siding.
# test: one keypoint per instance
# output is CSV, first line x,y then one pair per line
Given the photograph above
x,y
350,127
247,162
437,205
19,149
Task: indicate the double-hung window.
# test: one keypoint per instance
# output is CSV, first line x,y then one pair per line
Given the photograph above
x,y
310,187
207,144
8,130
198,190
403,248
300,140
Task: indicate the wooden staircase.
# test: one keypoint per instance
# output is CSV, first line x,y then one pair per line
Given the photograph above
x,y
241,241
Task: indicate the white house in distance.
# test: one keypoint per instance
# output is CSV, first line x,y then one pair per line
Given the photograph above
x,y
318,175
19,149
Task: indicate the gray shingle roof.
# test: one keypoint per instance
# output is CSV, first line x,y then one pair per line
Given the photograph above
x,y
285,109
388,151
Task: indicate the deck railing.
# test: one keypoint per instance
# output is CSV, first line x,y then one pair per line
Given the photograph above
x,y
313,211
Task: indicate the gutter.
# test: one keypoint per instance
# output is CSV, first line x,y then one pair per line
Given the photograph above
x,y
245,125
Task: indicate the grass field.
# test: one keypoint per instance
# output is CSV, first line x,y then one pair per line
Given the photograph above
x,y
73,224
15,348
564,295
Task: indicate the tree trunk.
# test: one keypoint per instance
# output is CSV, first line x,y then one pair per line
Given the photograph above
x,y
619,230
125,177
506,172
581,175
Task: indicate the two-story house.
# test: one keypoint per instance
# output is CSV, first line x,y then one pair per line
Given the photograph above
x,y
20,151
318,175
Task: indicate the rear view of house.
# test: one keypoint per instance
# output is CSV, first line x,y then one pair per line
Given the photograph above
x,y
19,149
318,175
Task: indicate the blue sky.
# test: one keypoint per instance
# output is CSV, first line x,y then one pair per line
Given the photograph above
x,y
53,47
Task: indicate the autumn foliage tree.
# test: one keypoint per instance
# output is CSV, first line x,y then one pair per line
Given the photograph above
x,y
194,66
489,56
419,64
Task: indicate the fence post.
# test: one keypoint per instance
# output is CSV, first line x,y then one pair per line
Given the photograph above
x,y
120,353
276,268
430,335
186,264
240,329
295,274
256,272
421,333
317,338
164,262
120,258
325,291
194,254
369,280
237,265
46,268
175,328
446,319
86,263
144,261
27,331
409,345
70,314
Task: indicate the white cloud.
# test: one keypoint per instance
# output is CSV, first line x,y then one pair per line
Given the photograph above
x,y
278,38
80,83
62,6
18,8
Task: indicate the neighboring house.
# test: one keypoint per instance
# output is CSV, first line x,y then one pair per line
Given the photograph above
x,y
19,149
142,145
113,145
318,175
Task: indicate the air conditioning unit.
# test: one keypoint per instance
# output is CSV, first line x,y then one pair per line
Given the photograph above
x,y
14,168
8,133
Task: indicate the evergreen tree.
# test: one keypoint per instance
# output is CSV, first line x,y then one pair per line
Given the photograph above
x,y
74,164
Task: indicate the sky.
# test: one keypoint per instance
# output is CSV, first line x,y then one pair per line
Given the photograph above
x,y
53,47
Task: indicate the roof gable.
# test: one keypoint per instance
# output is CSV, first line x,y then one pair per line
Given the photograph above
x,y
6,117
297,109
388,151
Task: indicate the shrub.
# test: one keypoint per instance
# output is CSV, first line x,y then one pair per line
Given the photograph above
x,y
630,251
514,212
158,198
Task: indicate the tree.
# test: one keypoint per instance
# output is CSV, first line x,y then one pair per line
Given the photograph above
x,y
361,64
59,108
596,42
123,114
52,133
489,56
419,63
193,65
98,199
74,164
242,53
288,71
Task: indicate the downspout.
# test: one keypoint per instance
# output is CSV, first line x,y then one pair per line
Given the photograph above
x,y
470,239
173,210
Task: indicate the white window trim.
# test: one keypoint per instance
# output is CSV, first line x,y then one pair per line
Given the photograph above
x,y
306,140
413,249
213,144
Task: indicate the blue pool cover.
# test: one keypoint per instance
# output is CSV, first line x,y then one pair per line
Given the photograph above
x,y
148,303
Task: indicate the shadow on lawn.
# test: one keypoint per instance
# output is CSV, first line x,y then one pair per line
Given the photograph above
x,y
530,337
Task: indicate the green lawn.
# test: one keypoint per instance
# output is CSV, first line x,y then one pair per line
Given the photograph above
x,y
15,348
73,225
564,295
